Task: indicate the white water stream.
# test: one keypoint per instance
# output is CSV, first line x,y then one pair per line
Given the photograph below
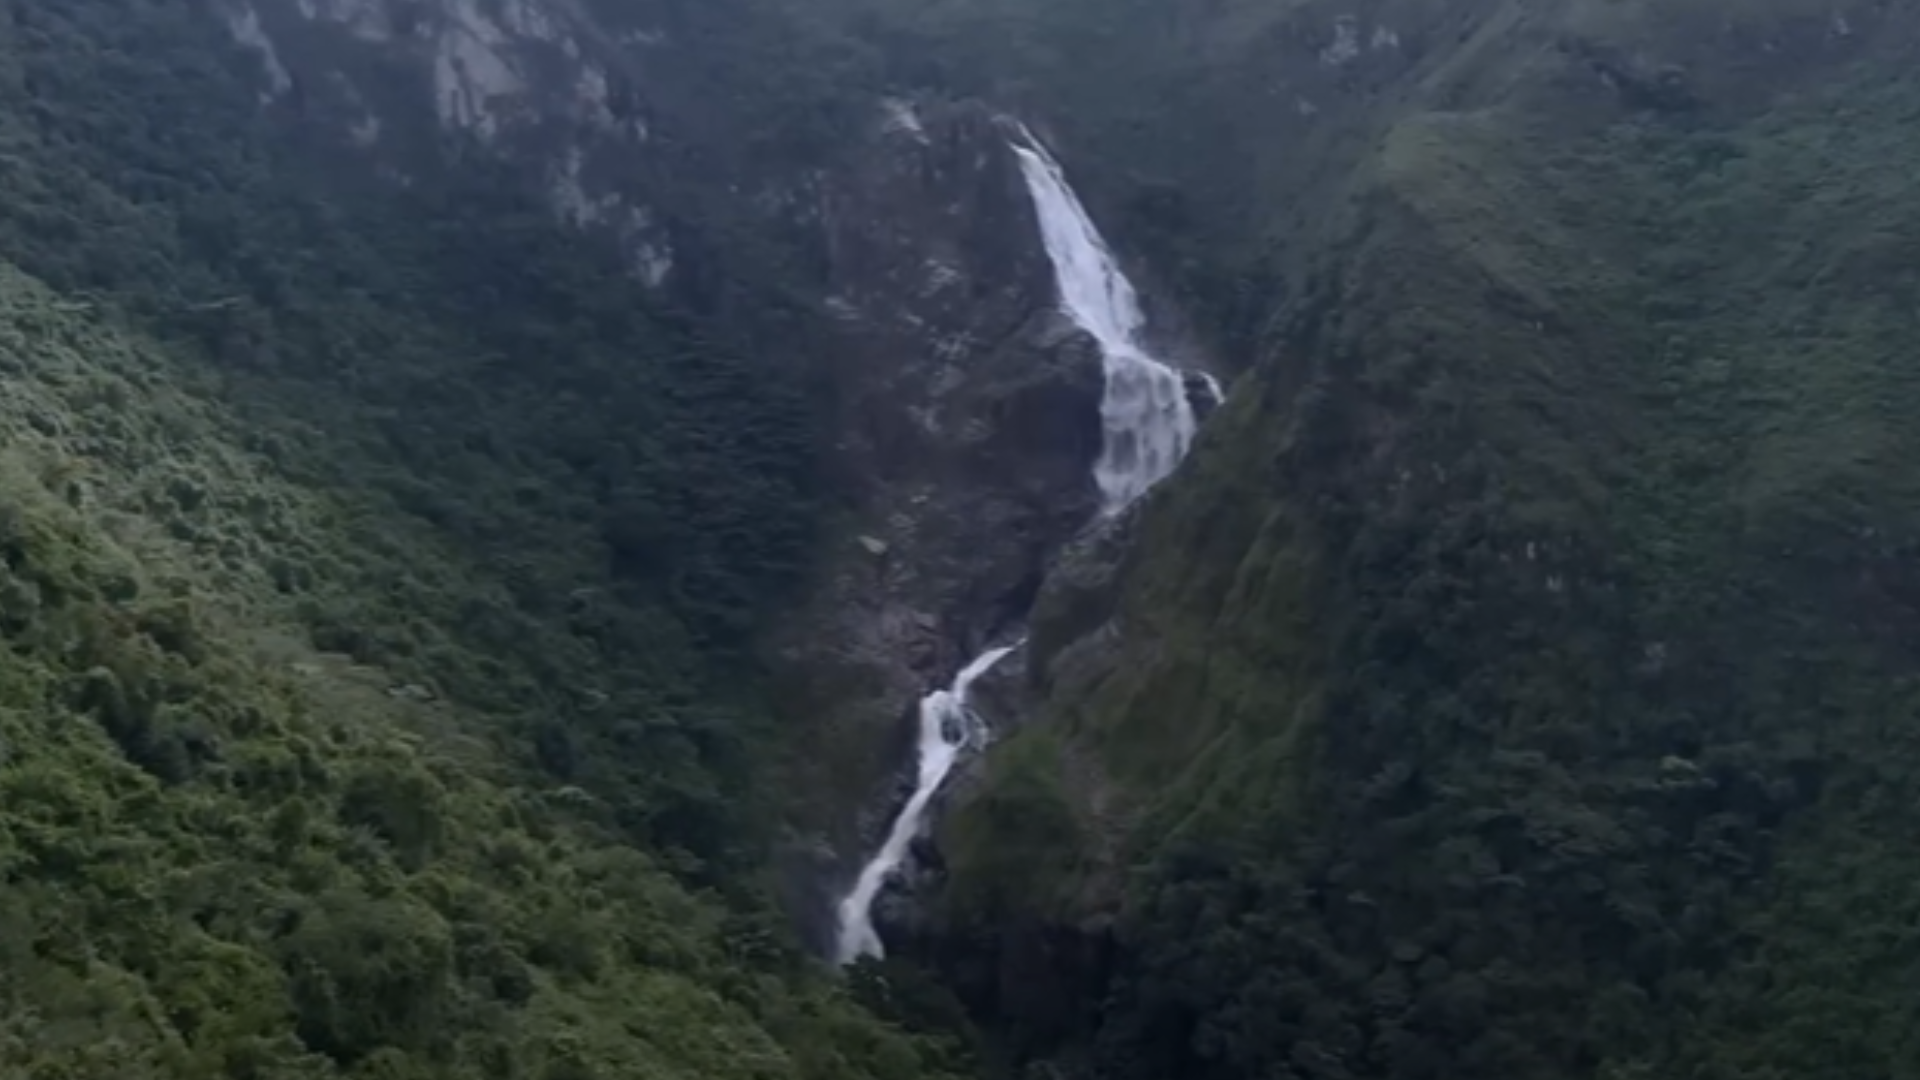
x,y
1147,426
1213,387
947,726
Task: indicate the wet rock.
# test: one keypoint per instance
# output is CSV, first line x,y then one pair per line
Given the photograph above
x,y
1003,696
1080,596
967,410
1202,395
1640,82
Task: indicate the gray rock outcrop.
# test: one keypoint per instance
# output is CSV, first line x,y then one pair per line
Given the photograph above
x,y
967,418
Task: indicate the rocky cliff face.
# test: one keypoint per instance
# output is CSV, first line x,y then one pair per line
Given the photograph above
x,y
538,84
965,425
948,372
690,135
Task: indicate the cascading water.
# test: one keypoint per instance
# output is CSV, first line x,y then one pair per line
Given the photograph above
x,y
947,726
1147,426
1146,420
1214,388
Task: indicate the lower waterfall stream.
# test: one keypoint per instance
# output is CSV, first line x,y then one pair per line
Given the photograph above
x,y
948,725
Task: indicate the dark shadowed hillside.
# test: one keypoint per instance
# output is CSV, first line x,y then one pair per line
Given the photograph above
x,y
1512,683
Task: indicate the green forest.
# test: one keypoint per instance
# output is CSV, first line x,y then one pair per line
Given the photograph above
x,y
1517,681
378,569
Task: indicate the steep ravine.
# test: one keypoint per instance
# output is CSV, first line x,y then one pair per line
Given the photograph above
x,y
965,420
1147,423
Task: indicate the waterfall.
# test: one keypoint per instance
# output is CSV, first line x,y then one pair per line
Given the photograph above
x,y
1147,424
1214,388
947,726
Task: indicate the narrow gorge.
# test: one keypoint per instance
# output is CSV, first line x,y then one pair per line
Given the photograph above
x,y
1147,425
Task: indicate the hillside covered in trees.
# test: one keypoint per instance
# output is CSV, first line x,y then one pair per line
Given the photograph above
x,y
378,572
1517,681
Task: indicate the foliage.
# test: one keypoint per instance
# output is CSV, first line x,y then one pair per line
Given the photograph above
x,y
379,568
228,854
624,488
1513,683
1022,829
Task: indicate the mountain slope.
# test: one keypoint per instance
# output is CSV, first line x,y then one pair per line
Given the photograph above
x,y
626,489
1513,683
382,563
399,477
230,854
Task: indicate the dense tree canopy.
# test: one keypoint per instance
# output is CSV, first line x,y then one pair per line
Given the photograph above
x,y
379,568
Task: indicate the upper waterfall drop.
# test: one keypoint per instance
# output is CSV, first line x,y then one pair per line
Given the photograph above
x,y
1147,423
